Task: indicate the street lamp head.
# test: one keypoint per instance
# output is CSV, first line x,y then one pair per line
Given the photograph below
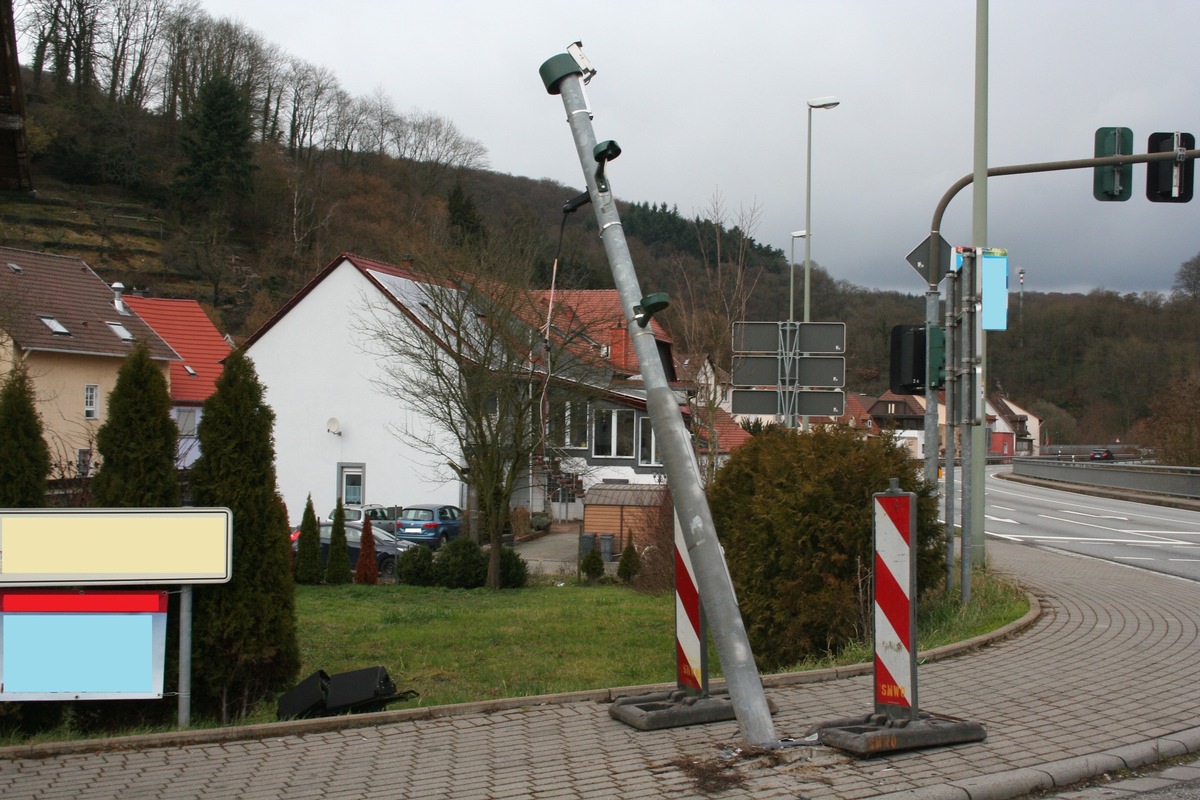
x,y
823,102
799,234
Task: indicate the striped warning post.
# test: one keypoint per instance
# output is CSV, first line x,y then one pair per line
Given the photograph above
x,y
895,609
690,667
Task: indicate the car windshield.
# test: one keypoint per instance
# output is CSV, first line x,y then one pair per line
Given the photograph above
x,y
417,514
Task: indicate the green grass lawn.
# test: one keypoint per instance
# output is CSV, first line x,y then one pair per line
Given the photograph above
x,y
455,646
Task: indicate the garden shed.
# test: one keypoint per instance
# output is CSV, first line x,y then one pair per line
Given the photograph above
x,y
615,512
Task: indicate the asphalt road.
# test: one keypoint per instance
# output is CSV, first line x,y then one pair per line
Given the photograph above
x,y
1152,537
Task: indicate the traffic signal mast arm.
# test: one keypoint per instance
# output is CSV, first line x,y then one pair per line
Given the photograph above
x,y
1046,166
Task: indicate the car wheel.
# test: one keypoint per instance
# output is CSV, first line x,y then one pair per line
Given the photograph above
x,y
388,568
441,539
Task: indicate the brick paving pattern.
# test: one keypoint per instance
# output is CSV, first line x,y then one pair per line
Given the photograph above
x,y
1106,678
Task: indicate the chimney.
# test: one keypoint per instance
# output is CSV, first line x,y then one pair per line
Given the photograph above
x,y
118,303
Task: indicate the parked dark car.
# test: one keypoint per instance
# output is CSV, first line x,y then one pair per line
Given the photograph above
x,y
387,547
433,525
1101,454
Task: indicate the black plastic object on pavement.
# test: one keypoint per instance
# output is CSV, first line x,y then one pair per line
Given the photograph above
x,y
356,691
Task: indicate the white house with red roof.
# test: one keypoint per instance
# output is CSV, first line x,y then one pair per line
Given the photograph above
x,y
340,433
201,348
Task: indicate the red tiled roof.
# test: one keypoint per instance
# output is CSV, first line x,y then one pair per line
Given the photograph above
x,y
35,286
185,326
730,435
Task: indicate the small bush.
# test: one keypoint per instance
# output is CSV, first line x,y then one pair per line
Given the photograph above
x,y
540,521
415,567
514,572
460,564
366,569
630,564
592,565
518,518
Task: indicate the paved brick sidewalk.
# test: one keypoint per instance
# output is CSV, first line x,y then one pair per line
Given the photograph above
x,y
1106,678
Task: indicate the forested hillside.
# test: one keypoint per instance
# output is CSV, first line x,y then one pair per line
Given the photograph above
x,y
188,156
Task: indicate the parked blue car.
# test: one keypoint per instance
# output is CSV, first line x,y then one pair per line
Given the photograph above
x,y
433,525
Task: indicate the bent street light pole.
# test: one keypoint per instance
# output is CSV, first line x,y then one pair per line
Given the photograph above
x,y
562,75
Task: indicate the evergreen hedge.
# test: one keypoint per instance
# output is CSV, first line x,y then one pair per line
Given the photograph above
x,y
244,631
795,514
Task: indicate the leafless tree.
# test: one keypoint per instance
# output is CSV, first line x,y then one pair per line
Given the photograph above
x,y
467,354
436,148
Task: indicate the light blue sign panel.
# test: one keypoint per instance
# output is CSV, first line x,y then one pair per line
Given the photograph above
x,y
59,656
995,290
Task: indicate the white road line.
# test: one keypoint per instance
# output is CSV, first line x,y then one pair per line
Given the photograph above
x,y
1094,516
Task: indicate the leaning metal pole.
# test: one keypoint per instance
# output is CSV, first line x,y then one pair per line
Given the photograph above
x,y
562,75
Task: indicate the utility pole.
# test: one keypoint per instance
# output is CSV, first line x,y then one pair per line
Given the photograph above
x,y
565,74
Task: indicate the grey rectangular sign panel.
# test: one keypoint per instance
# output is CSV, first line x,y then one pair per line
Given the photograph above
x,y
822,337
756,370
756,337
815,371
809,403
821,371
816,403
756,401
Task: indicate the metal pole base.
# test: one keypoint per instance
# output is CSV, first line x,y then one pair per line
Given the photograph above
x,y
672,709
875,734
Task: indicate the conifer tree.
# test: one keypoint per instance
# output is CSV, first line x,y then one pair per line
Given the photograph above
x,y
245,630
308,555
366,569
137,442
337,568
24,455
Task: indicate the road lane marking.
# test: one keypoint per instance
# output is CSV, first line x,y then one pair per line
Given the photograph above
x,y
1094,516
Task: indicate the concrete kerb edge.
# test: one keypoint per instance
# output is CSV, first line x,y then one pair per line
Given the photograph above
x,y
271,730
1059,774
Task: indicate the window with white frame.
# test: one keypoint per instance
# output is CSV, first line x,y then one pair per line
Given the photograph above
x,y
91,401
350,483
569,424
613,433
647,444
83,462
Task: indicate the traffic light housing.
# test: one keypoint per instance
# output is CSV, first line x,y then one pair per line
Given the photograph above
x,y
1170,181
1113,183
908,359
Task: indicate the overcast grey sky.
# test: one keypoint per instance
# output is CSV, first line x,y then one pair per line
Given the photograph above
x,y
706,97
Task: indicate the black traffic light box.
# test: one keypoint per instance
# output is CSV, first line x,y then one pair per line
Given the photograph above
x,y
908,366
908,359
1170,181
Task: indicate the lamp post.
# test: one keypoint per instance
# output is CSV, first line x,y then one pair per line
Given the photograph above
x,y
817,102
792,276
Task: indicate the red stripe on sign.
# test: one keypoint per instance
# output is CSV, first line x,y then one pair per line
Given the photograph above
x,y
892,599
66,600
887,691
684,673
897,510
686,591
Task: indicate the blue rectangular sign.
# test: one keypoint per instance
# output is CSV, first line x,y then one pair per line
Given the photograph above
x,y
995,289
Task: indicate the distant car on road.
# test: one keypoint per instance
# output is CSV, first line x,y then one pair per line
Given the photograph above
x,y
387,546
1101,454
433,525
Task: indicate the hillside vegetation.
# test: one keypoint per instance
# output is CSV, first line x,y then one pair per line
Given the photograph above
x,y
189,157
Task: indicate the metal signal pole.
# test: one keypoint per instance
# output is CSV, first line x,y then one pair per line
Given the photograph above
x,y
565,75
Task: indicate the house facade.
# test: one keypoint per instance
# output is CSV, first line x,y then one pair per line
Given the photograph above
x,y
72,331
201,348
340,431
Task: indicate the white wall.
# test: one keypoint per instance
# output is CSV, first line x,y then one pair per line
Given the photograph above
x,y
314,369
